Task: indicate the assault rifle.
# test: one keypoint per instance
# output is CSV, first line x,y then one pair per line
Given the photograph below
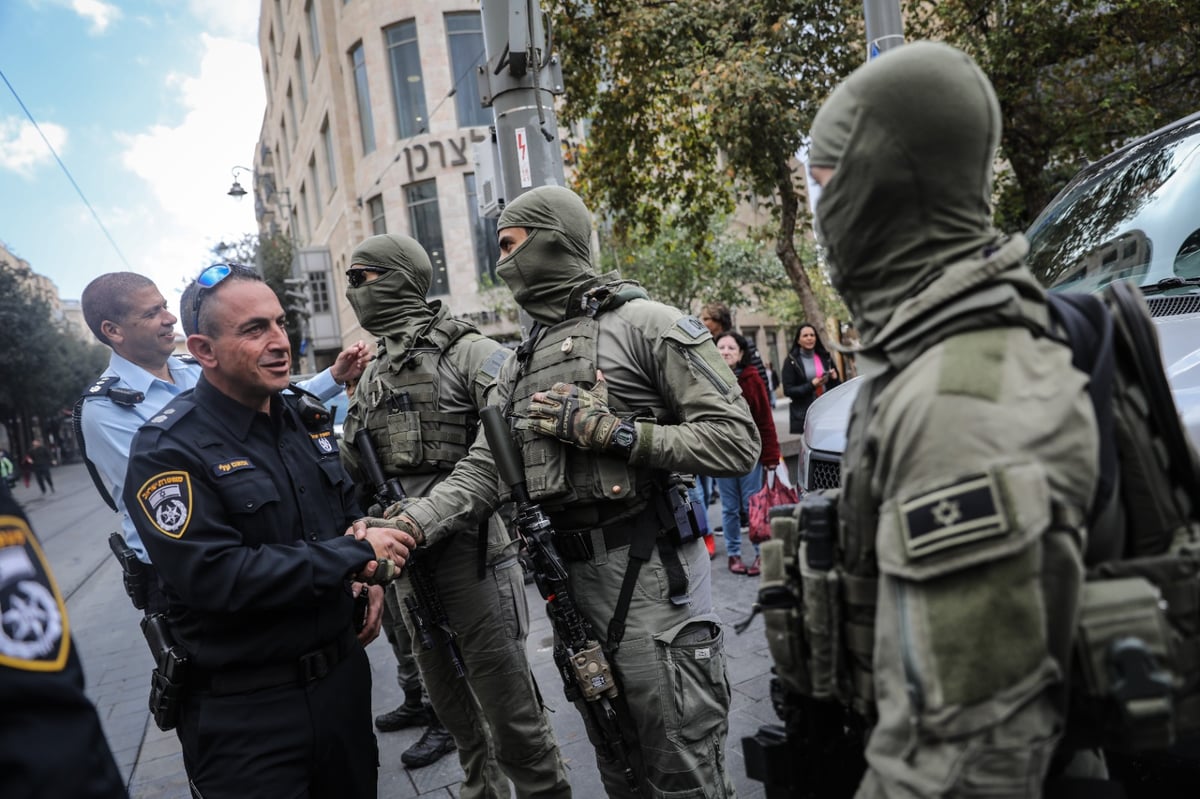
x,y
424,605
582,664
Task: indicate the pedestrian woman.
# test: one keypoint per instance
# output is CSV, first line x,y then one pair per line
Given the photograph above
x,y
808,372
736,491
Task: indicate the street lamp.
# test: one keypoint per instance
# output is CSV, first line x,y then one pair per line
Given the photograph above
x,y
295,295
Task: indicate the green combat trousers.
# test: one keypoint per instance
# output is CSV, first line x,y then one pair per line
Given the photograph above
x,y
670,667
497,699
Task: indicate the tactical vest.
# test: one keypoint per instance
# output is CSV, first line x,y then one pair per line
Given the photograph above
x,y
399,402
573,485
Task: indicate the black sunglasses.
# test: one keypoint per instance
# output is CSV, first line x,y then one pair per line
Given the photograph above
x,y
357,275
206,280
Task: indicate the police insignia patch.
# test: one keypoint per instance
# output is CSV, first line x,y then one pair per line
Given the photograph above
x,y
324,441
952,516
166,499
692,326
34,634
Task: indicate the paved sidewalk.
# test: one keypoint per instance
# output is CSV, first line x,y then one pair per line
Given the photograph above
x,y
73,525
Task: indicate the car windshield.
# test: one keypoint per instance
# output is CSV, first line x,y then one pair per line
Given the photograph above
x,y
1135,217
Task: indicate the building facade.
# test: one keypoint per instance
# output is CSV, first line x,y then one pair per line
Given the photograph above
x,y
372,118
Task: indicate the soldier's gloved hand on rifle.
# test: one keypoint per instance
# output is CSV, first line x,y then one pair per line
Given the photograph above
x,y
580,417
391,543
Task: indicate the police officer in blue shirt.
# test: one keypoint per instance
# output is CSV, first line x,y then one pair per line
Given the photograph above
x,y
127,312
241,501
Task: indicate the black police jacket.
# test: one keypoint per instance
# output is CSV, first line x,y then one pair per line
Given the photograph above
x,y
244,514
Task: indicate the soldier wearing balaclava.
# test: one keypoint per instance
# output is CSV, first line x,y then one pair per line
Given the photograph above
x,y
972,452
419,402
611,397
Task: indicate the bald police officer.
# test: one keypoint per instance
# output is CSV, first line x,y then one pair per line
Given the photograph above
x,y
610,394
241,500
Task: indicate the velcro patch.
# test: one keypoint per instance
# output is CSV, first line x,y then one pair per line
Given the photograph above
x,y
325,442
692,326
166,499
952,516
34,633
232,465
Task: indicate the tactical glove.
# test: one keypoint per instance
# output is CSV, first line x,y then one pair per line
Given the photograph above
x,y
580,417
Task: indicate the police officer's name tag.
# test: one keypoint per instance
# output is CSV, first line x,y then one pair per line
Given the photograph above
x,y
955,515
232,465
324,441
166,499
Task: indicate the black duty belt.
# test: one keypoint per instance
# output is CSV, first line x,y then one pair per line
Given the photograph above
x,y
576,545
311,666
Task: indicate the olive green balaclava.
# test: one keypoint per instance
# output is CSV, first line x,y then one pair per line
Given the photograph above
x,y
550,270
393,306
911,135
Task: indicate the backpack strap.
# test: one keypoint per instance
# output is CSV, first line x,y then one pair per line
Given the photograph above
x,y
126,398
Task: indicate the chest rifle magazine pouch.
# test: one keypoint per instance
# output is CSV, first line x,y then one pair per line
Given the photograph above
x,y
1123,691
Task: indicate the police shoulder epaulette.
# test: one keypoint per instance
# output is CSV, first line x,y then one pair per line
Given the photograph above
x,y
175,410
105,386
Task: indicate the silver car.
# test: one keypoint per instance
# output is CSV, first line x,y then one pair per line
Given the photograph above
x,y
1132,216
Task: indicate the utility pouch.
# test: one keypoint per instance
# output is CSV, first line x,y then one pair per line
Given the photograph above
x,y
691,521
1125,677
822,625
405,446
780,601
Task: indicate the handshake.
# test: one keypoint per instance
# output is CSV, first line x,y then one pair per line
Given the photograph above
x,y
392,540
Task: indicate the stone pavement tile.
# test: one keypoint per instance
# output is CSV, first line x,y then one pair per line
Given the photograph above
x,y
173,787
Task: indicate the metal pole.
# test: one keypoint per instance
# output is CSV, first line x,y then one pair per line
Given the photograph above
x,y
885,30
519,82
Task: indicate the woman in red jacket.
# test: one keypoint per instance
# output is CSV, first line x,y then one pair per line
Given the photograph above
x,y
736,491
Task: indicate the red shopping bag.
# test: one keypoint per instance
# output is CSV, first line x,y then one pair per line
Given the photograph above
x,y
777,491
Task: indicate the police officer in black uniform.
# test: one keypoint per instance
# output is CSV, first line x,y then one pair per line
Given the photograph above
x,y
238,492
51,743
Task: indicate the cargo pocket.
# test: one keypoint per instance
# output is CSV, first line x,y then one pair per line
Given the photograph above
x,y
512,607
694,688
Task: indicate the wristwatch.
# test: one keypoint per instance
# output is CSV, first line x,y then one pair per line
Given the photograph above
x,y
623,438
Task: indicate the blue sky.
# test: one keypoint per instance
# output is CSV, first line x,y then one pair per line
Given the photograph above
x,y
149,103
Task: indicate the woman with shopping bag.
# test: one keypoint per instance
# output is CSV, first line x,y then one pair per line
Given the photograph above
x,y
736,491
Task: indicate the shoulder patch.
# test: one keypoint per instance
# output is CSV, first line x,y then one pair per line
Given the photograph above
x,y
230,466
961,513
491,367
692,326
166,500
34,632
175,410
973,364
101,386
324,441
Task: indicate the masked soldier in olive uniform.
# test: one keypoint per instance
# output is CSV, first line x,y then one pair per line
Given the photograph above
x,y
972,452
419,401
610,394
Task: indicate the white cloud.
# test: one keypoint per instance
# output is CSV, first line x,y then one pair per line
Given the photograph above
x,y
236,19
22,149
97,12
187,167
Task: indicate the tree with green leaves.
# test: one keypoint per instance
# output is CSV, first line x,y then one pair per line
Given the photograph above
x,y
271,255
693,106
1075,79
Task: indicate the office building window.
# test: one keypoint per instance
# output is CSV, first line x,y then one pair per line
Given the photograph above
x,y
305,213
464,35
483,232
366,121
378,220
318,291
330,163
316,183
291,104
301,78
314,34
408,86
425,224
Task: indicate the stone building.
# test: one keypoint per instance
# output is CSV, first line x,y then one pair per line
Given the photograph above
x,y
372,116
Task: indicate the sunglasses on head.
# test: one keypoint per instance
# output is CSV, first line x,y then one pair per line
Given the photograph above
x,y
356,276
207,279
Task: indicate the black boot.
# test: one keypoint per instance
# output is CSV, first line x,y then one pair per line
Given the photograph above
x,y
435,743
413,713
